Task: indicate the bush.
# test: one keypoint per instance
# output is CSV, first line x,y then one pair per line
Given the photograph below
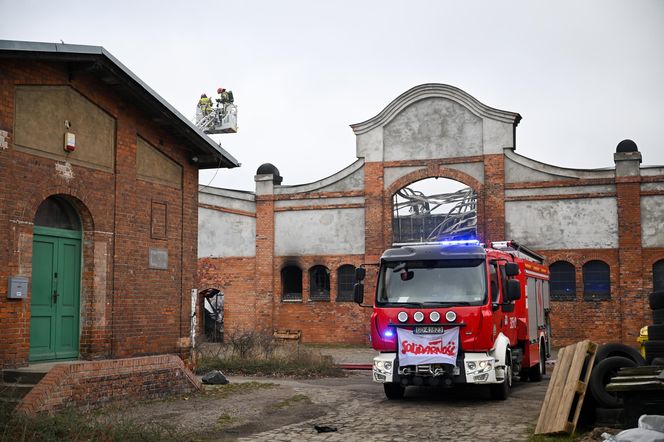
x,y
251,353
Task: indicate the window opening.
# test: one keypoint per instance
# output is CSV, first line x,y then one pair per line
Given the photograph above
x,y
434,209
563,281
345,283
57,212
596,281
291,283
319,284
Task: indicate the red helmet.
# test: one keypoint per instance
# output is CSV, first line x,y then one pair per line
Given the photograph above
x,y
220,90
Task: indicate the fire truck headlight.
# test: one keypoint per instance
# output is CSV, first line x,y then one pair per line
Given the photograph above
x,y
434,316
380,365
402,316
418,316
471,365
388,365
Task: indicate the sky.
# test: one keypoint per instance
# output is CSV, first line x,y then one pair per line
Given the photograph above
x,y
584,75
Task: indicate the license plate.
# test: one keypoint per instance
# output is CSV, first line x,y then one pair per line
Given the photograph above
x,y
428,330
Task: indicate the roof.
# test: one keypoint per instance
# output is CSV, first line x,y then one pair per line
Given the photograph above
x,y
205,153
427,251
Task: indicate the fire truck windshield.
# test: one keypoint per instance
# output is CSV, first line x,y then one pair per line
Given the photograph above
x,y
432,283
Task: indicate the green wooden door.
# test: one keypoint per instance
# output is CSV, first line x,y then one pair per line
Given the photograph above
x,y
55,300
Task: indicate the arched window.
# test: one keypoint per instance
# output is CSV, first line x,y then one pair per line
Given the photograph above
x,y
55,211
596,281
345,283
563,281
658,276
319,283
291,283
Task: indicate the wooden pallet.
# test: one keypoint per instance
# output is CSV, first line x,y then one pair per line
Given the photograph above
x,y
288,335
567,389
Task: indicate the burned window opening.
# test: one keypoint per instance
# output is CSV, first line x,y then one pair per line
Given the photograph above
x,y
291,283
418,217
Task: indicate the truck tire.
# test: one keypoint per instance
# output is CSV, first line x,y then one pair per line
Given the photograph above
x,y
656,332
615,349
501,391
658,316
654,349
601,376
536,372
394,391
656,300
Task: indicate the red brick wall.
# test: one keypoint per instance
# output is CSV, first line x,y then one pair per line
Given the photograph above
x,y
236,278
599,321
127,309
98,383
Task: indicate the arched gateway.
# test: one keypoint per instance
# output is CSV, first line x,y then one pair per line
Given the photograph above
x,y
56,281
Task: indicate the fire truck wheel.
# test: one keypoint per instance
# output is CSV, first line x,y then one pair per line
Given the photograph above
x,y
615,349
656,332
601,376
536,372
658,316
394,391
657,300
502,391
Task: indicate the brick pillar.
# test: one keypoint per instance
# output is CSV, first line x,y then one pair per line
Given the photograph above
x,y
264,279
494,199
631,297
376,225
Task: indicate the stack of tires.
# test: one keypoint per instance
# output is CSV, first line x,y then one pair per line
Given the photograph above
x,y
655,343
607,407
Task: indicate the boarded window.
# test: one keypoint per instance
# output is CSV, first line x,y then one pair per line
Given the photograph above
x,y
345,283
658,276
596,281
319,283
563,281
291,283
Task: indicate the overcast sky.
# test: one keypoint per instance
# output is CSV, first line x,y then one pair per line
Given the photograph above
x,y
584,75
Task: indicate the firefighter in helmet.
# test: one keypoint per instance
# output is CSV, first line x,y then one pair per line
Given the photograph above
x,y
205,104
225,98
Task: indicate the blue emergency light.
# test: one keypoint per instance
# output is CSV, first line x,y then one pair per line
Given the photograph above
x,y
460,242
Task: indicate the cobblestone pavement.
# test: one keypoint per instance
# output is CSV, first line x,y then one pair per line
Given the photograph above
x,y
360,412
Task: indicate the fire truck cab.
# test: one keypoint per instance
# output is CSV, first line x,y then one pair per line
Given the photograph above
x,y
455,312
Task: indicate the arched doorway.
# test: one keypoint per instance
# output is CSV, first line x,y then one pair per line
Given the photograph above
x,y
56,281
434,209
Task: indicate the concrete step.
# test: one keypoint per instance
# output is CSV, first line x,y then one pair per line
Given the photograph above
x,y
22,376
14,391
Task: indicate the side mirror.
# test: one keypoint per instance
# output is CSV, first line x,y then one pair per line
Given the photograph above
x,y
360,274
513,291
511,269
358,292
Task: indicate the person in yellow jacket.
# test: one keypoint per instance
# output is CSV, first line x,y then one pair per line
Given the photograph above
x,y
205,104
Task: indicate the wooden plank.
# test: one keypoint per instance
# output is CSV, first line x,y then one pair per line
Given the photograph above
x,y
558,379
566,392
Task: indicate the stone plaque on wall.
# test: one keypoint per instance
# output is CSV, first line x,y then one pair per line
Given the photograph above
x,y
158,258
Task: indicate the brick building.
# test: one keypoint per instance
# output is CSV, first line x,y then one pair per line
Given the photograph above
x,y
284,255
98,211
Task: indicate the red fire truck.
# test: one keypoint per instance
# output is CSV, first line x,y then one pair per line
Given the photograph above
x,y
455,312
